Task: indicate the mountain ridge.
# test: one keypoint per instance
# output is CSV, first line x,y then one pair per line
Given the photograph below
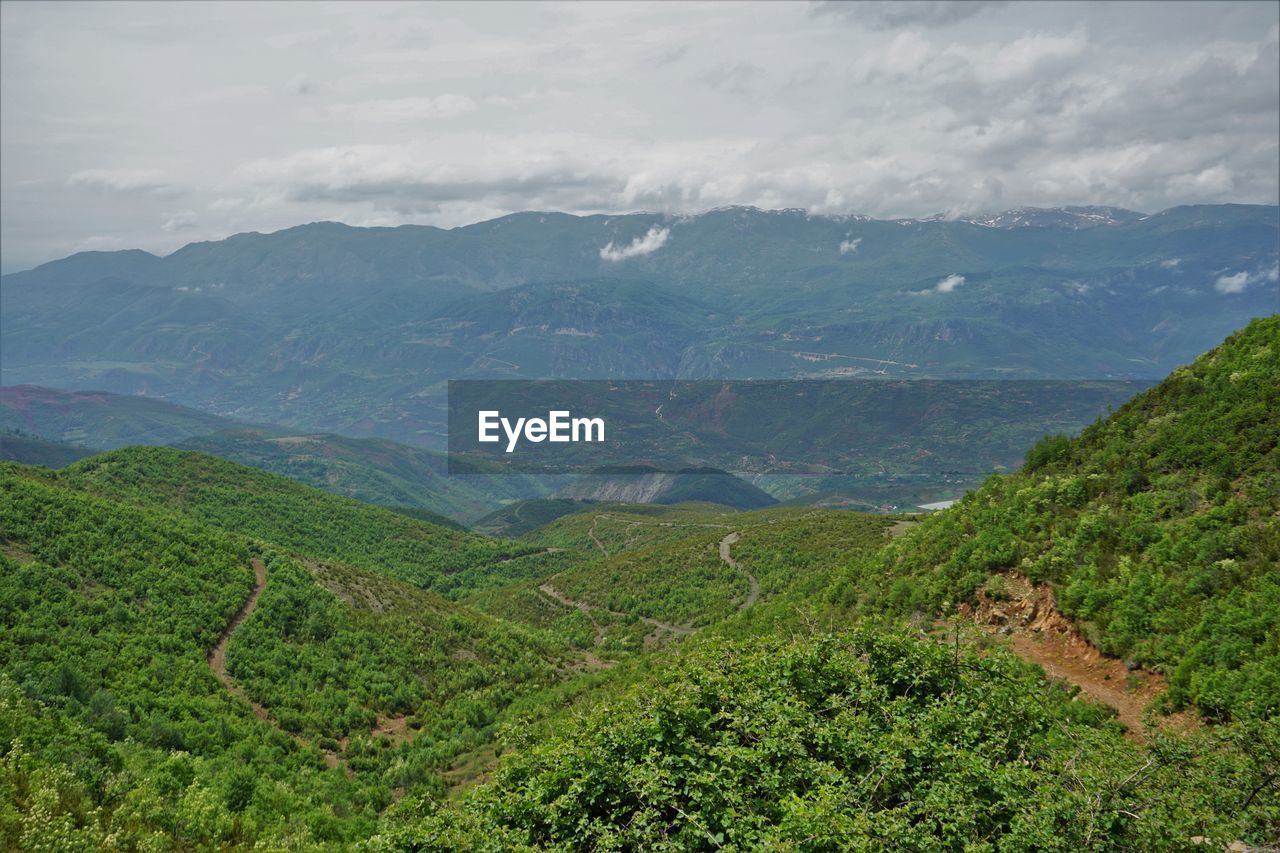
x,y
333,328
991,219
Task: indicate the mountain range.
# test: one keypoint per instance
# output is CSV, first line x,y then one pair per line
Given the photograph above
x,y
332,328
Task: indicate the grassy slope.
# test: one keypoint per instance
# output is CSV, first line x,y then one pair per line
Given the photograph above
x,y
270,507
1157,529
373,470
111,609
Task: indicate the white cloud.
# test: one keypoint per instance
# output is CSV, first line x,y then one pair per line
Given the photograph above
x,y
119,180
850,247
651,242
889,14
1243,280
1233,283
944,285
1171,263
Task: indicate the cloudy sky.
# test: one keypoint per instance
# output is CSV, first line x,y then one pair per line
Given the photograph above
x,y
153,125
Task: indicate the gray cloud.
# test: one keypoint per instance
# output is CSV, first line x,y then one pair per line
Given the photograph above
x,y
120,180
891,14
898,110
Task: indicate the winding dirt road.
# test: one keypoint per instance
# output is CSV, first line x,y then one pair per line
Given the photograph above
x,y
218,656
218,659
753,585
592,534
753,594
558,596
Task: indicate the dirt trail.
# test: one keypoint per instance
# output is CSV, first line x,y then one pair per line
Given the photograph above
x,y
218,657
560,598
1102,679
1039,633
753,584
586,609
632,524
592,534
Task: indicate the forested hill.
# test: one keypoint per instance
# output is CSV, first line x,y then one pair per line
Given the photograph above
x,y
341,688
201,655
287,513
1157,529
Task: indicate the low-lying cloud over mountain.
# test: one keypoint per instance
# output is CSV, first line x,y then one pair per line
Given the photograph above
x,y
1241,281
380,114
653,240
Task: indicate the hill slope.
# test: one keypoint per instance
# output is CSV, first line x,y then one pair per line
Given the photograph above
x,y
99,420
350,687
346,685
19,446
373,470
1157,529
319,525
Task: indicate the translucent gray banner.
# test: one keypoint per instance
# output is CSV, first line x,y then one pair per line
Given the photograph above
x,y
817,428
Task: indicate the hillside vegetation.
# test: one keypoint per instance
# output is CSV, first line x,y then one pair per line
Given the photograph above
x,y
114,724
863,740
289,514
1157,528
649,677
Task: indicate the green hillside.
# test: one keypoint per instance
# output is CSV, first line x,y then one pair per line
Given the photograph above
x,y
115,725
869,739
313,523
202,655
1162,519
1157,529
632,578
373,470
518,518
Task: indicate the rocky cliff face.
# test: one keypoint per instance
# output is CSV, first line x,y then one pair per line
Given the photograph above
x,y
663,487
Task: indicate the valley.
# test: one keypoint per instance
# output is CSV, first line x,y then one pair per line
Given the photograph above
x,y
446,427
202,632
